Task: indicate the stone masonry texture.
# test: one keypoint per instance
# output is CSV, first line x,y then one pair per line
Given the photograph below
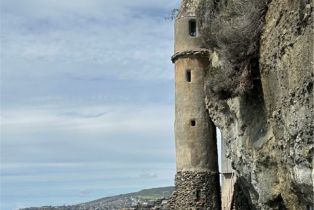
x,y
196,191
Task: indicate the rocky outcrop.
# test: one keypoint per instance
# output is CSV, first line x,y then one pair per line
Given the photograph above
x,y
268,126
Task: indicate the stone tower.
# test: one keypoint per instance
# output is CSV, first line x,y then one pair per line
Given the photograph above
x,y
197,178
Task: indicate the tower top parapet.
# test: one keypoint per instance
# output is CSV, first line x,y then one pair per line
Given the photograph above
x,y
187,37
188,8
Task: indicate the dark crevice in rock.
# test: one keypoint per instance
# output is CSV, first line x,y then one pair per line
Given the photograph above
x,y
242,198
277,203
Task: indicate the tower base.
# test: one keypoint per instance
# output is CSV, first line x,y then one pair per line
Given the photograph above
x,y
196,191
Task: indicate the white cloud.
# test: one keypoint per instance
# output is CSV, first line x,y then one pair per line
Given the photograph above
x,y
84,87
87,133
89,119
118,36
39,8
26,166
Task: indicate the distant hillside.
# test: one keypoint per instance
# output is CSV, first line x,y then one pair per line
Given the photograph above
x,y
144,199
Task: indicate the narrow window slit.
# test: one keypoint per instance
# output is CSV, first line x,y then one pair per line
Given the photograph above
x,y
198,195
188,75
193,123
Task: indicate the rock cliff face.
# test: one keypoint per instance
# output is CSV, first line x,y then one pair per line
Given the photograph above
x,y
267,123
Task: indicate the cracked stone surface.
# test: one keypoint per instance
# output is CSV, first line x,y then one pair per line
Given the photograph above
x,y
269,132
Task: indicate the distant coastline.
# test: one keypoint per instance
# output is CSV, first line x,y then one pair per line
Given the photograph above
x,y
144,199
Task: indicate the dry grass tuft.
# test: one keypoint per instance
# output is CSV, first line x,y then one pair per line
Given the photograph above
x,y
232,28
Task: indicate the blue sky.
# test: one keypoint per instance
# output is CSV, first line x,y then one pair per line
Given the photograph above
x,y
87,99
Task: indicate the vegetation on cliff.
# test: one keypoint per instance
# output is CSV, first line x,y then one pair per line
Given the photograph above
x,y
232,29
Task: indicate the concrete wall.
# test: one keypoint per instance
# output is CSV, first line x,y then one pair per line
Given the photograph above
x,y
225,162
195,145
183,40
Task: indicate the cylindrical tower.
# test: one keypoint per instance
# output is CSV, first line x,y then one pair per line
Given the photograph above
x,y
197,178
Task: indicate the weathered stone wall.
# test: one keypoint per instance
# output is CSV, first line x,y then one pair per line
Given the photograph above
x,y
269,130
196,191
